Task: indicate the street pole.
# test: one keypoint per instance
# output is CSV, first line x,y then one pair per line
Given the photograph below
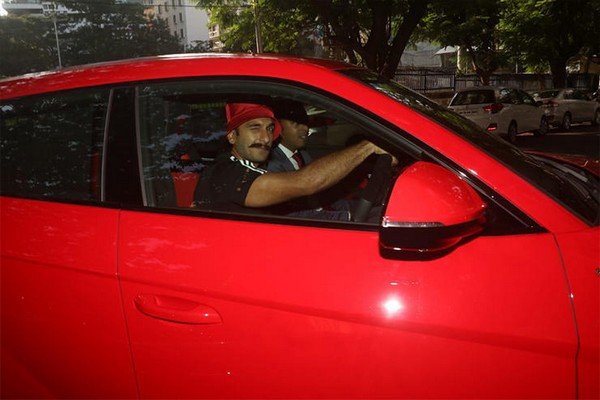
x,y
56,34
259,47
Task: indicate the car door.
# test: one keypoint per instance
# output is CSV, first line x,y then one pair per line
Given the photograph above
x,y
239,305
583,109
530,114
510,109
581,261
63,330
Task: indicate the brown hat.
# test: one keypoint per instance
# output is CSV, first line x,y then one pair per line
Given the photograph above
x,y
239,113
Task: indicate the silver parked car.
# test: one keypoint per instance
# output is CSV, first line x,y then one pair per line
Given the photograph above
x,y
565,106
501,110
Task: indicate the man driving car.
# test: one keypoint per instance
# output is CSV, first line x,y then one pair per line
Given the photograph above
x,y
236,181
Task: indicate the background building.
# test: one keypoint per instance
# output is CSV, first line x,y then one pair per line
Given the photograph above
x,y
186,22
214,36
32,7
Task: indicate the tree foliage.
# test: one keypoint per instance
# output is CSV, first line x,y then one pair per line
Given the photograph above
x,y
284,25
369,32
99,31
28,45
377,31
550,32
472,25
106,30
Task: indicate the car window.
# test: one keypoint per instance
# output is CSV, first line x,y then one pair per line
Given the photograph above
x,y
183,129
51,145
577,95
526,98
509,96
504,96
473,97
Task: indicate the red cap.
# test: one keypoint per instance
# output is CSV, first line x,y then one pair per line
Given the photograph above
x,y
239,113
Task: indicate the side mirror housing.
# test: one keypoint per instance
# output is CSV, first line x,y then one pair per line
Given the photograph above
x,y
430,210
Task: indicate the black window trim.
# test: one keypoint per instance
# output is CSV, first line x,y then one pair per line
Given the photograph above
x,y
138,147
105,146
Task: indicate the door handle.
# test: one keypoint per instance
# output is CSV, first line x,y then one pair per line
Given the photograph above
x,y
176,309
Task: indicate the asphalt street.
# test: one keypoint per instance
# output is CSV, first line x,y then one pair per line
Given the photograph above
x,y
582,139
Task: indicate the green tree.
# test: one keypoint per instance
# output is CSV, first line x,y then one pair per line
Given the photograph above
x,y
369,32
550,32
284,25
98,31
28,45
472,25
103,31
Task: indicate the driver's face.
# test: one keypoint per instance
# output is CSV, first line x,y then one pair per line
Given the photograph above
x,y
252,140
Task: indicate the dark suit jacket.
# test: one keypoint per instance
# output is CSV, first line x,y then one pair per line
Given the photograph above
x,y
280,163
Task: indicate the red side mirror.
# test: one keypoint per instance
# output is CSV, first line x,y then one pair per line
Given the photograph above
x,y
430,209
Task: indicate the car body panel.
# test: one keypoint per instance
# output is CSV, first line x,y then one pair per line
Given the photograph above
x,y
156,67
61,302
296,326
582,270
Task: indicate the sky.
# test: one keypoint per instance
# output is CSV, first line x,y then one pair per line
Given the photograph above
x,y
2,10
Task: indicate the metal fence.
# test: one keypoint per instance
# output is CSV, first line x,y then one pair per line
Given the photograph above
x,y
427,81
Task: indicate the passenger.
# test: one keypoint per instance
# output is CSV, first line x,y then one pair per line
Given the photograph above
x,y
236,182
289,155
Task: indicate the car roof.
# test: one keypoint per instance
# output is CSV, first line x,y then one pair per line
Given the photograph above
x,y
161,67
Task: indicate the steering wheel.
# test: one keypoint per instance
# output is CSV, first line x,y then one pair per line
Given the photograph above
x,y
380,177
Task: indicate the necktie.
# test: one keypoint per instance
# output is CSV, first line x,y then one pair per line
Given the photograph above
x,y
298,157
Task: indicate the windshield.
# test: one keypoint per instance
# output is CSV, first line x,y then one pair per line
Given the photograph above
x,y
540,174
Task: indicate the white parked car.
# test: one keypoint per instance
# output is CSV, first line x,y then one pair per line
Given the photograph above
x,y
565,106
501,110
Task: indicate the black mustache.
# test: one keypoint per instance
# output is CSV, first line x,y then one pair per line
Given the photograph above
x,y
263,146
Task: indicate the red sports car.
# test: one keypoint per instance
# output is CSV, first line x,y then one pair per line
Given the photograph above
x,y
473,274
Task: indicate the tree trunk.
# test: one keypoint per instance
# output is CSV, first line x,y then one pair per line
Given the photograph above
x,y
417,11
558,68
376,53
484,77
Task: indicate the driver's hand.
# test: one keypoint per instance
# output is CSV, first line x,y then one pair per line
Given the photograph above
x,y
379,150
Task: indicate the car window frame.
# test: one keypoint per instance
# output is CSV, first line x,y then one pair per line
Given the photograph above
x,y
511,219
290,89
102,141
